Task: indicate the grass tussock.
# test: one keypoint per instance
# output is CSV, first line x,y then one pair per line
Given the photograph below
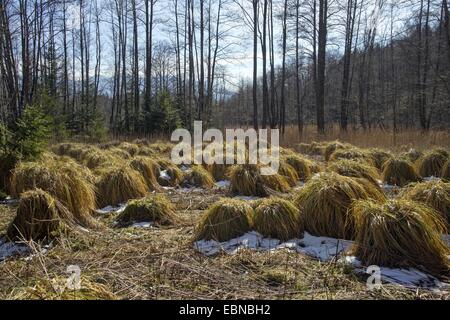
x,y
412,155
380,157
170,175
119,184
313,149
224,220
200,178
289,173
278,219
218,171
355,169
156,209
446,172
147,168
39,217
435,194
246,180
68,182
119,153
352,154
332,147
301,165
131,148
401,234
325,201
432,163
399,172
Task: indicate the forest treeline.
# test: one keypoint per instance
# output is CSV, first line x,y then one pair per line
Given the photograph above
x,y
149,66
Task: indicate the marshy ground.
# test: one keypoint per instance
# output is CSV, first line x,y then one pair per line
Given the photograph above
x,y
161,263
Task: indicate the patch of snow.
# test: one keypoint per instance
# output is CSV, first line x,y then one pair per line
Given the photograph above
x,y
191,189
245,198
432,179
409,278
185,168
164,175
321,248
8,249
111,209
9,201
144,225
223,184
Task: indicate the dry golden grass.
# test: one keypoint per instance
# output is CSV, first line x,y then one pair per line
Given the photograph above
x,y
224,220
380,157
199,177
156,209
399,172
65,180
400,233
147,168
289,173
432,163
39,217
246,180
435,194
278,219
374,138
302,166
446,172
173,175
355,169
325,201
332,147
119,184
354,154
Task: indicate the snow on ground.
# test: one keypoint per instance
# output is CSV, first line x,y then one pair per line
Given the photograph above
x,y
321,248
9,249
223,184
164,175
144,225
245,198
110,209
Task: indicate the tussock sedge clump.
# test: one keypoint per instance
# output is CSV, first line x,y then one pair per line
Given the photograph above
x,y
325,201
170,175
225,220
147,168
97,158
246,180
435,194
156,209
161,147
446,172
39,217
301,165
332,147
200,178
432,163
412,155
399,172
400,234
146,151
313,149
218,171
355,169
352,154
65,180
278,219
131,148
380,157
289,173
119,184
119,153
